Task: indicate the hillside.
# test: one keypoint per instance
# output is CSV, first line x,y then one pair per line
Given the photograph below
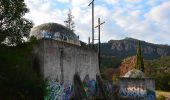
x,y
127,47
18,80
157,68
114,51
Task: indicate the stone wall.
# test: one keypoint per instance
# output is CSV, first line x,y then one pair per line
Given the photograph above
x,y
60,61
137,88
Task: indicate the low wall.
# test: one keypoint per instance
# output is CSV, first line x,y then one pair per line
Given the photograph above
x,y
135,88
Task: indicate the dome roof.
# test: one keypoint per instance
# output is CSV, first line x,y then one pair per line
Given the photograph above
x,y
55,31
134,73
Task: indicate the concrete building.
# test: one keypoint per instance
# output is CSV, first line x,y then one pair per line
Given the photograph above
x,y
135,86
59,54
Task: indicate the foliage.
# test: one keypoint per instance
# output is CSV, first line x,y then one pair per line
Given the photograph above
x,y
161,97
109,62
160,70
162,81
13,27
18,80
139,63
115,80
158,65
69,22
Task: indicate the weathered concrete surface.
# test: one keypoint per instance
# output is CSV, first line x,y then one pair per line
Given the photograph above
x,y
137,88
60,60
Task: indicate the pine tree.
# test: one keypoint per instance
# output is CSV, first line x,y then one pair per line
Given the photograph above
x,y
139,62
69,22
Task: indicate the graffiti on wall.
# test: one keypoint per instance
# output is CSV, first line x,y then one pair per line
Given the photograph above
x,y
47,34
89,86
64,91
58,35
133,91
110,88
59,91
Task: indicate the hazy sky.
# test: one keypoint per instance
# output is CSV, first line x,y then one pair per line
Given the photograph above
x,y
147,20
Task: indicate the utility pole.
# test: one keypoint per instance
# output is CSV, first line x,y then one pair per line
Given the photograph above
x,y
98,26
92,3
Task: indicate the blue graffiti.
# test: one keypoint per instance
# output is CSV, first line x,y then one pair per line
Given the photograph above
x,y
133,92
47,34
89,86
63,91
59,91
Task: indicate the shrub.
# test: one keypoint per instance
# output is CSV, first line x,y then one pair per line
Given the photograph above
x,y
161,97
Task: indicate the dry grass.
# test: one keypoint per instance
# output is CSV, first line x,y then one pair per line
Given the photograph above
x,y
166,94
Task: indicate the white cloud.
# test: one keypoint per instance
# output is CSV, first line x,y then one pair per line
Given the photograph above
x,y
80,2
160,14
133,1
112,1
102,11
63,1
122,20
41,11
150,26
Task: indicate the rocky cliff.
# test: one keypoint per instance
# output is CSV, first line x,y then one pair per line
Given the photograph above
x,y
127,47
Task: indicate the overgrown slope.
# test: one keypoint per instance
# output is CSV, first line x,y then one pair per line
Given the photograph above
x,y
18,80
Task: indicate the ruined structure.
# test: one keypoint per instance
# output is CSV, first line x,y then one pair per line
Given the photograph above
x,y
59,54
134,85
55,31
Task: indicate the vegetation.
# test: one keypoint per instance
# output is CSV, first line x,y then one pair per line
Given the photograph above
x,y
121,49
109,62
162,81
139,63
160,70
161,97
69,22
18,80
13,27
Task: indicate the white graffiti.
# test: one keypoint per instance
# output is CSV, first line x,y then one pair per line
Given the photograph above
x,y
133,91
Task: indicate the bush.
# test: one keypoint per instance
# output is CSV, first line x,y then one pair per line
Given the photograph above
x,y
18,80
162,81
161,97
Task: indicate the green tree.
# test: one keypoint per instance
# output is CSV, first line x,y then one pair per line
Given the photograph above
x,y
139,59
13,26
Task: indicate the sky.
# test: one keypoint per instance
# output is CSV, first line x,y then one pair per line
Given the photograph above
x,y
147,20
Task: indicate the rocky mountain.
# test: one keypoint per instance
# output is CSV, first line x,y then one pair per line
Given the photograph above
x,y
127,47
114,51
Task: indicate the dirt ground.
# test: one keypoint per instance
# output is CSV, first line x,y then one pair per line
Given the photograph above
x,y
166,94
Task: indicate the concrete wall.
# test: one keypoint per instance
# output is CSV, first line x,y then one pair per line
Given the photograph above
x,y
60,60
137,88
